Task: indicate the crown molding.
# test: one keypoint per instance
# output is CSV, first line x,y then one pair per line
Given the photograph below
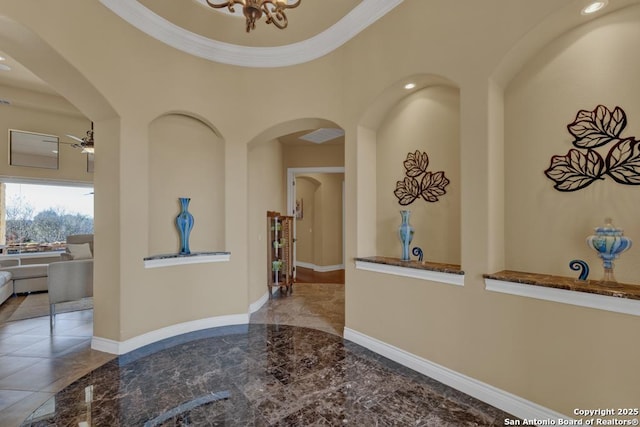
x,y
362,16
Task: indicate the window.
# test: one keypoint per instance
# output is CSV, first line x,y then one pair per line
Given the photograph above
x,y
38,218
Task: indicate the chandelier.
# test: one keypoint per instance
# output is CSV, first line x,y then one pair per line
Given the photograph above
x,y
253,10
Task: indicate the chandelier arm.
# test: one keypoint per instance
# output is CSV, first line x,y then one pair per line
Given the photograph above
x,y
277,16
228,4
280,20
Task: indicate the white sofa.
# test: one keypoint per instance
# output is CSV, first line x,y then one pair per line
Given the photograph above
x,y
27,275
6,286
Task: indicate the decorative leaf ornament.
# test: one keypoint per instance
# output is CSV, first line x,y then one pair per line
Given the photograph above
x,y
420,182
591,129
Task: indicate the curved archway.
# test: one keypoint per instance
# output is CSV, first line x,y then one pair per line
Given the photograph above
x,y
39,57
35,54
270,154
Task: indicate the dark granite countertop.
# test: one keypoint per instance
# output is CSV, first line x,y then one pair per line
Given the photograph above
x,y
419,265
611,289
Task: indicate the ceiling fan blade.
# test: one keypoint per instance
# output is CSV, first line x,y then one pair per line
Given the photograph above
x,y
75,138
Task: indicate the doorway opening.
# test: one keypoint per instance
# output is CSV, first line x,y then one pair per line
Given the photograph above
x,y
315,197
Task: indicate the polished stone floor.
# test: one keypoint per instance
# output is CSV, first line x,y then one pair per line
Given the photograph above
x,y
289,366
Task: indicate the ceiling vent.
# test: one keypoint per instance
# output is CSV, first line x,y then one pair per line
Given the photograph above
x,y
323,135
4,101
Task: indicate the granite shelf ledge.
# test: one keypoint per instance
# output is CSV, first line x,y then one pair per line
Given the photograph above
x,y
609,296
425,270
167,260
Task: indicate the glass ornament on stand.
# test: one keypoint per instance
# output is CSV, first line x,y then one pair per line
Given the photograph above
x,y
609,243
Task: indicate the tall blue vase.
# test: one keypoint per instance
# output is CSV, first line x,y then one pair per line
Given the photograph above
x,y
405,233
184,222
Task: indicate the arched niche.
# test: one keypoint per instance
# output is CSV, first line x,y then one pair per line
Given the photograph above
x,y
588,66
186,159
425,119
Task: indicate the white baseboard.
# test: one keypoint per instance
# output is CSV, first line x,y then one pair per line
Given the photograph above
x,y
123,347
501,399
319,268
257,305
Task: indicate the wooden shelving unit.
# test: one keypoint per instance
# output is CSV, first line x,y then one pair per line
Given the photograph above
x,y
280,266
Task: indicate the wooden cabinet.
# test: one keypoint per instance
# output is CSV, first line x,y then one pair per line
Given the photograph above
x,y
280,266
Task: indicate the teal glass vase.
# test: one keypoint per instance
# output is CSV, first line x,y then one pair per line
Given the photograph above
x,y
184,222
405,233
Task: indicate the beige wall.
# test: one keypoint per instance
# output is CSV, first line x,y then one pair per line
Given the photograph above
x,y
319,233
428,121
53,120
312,156
517,344
306,227
331,216
545,228
184,151
265,172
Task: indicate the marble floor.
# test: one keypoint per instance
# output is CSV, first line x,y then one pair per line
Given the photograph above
x,y
288,367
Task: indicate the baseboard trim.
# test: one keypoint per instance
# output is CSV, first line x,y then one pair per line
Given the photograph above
x,y
501,399
257,305
319,268
123,347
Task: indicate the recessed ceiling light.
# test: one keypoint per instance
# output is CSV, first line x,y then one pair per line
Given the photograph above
x,y
5,67
409,86
593,7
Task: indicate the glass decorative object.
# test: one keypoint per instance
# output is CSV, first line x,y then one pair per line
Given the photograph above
x,y
184,222
578,264
609,243
405,233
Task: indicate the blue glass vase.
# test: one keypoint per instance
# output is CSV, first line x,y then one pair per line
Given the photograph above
x,y
184,222
405,233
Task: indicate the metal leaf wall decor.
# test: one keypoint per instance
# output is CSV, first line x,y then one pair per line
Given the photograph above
x,y
419,182
582,165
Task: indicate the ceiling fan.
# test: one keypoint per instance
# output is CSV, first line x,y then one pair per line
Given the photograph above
x,y
86,143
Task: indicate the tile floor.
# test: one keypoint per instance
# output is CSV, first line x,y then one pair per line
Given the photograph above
x,y
34,364
290,366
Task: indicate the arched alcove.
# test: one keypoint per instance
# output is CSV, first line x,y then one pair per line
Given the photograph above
x,y
588,66
184,150
402,122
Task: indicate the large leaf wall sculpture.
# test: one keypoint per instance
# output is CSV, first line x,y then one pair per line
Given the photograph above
x,y
419,182
582,166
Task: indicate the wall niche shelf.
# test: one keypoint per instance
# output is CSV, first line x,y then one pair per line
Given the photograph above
x,y
167,260
609,296
434,271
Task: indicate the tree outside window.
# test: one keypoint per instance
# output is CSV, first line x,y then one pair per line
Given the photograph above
x,y
39,219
